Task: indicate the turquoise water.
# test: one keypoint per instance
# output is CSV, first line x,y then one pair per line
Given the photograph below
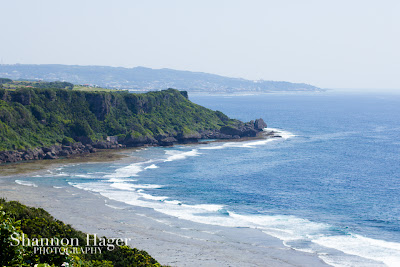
x,y
331,186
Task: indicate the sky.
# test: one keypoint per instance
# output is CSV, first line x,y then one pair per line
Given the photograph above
x,y
327,43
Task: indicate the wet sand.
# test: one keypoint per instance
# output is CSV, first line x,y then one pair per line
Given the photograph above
x,y
170,240
102,155
33,166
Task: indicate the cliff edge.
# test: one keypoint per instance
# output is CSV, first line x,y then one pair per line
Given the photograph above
x,y
49,123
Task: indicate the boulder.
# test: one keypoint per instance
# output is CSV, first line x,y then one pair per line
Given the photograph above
x,y
259,124
229,130
187,138
249,133
53,149
50,155
100,145
77,145
168,141
64,153
10,156
131,141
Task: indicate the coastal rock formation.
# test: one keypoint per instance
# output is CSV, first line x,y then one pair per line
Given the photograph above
x,y
249,129
235,131
136,141
186,138
52,152
167,141
259,124
51,123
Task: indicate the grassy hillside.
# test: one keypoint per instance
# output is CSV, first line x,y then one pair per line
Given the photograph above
x,y
33,117
89,88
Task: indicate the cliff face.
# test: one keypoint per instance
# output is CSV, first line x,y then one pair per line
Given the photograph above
x,y
41,118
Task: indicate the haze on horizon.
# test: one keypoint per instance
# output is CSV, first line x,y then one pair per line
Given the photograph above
x,y
330,44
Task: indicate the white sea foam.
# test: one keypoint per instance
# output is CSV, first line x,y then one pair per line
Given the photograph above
x,y
290,229
348,261
179,155
26,183
205,207
80,186
120,180
61,174
284,134
152,166
252,144
122,186
373,249
127,171
151,197
132,170
173,202
52,174
128,186
246,144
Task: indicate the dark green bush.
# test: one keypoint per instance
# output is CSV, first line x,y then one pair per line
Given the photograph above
x,y
16,219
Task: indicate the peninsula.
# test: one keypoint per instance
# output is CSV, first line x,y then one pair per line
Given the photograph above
x,y
148,79
41,122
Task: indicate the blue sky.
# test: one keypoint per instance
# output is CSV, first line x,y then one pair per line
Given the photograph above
x,y
331,44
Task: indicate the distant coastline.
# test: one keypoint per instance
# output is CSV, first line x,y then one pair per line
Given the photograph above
x,y
147,79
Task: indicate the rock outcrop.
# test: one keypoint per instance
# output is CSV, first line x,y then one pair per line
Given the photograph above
x,y
52,152
238,130
235,131
259,124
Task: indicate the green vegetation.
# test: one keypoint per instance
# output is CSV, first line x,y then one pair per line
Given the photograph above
x,y
12,85
5,80
17,219
87,88
34,117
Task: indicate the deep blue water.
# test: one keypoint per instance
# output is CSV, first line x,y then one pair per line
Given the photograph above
x,y
335,184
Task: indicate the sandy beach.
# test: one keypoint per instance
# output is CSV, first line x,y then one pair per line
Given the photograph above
x,y
171,241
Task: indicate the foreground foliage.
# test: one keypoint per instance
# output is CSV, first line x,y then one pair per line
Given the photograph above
x,y
17,219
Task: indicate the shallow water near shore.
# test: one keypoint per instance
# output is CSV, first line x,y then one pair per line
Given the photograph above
x,y
329,187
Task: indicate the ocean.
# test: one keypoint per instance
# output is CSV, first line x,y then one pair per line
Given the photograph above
x,y
330,186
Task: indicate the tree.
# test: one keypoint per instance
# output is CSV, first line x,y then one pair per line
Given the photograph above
x,y
10,255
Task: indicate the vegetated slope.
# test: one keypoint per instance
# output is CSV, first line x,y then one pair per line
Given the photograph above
x,y
17,219
31,117
10,84
140,78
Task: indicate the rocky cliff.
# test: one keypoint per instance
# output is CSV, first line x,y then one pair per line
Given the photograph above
x,y
49,123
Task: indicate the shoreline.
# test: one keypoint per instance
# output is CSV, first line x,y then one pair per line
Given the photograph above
x,y
103,155
81,145
172,241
